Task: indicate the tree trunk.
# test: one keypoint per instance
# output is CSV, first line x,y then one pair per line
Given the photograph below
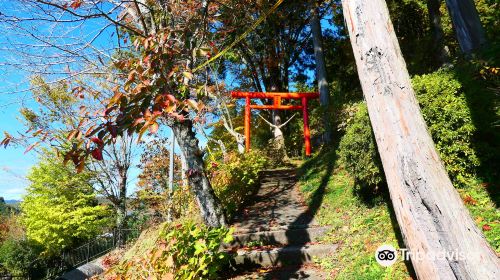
x,y
321,70
210,207
430,213
184,169
171,177
438,47
121,210
467,25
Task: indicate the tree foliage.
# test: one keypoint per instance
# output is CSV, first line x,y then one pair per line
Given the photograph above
x,y
59,109
449,118
153,186
60,207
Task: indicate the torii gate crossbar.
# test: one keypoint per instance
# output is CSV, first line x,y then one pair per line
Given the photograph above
x,y
277,97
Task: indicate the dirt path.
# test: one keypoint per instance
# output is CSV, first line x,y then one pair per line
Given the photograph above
x,y
278,204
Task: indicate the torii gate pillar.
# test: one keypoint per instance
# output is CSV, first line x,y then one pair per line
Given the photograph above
x,y
277,97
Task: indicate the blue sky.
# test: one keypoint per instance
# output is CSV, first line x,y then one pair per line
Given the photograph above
x,y
14,88
14,84
14,164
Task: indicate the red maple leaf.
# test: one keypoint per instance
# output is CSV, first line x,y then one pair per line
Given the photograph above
x,y
97,154
486,227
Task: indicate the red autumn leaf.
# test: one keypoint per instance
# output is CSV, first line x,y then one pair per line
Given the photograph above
x,y
109,110
97,141
170,74
171,98
113,131
72,135
90,131
486,227
81,165
131,75
36,133
76,4
146,59
469,200
31,147
164,103
97,154
5,142
138,121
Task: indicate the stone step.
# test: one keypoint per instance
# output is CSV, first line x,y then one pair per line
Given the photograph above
x,y
282,256
285,273
283,236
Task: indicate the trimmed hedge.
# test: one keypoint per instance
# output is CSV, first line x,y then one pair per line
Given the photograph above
x,y
358,151
449,120
448,117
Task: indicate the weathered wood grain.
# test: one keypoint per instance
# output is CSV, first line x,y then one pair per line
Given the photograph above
x,y
429,211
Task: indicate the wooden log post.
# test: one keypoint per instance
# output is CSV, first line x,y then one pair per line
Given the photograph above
x,y
307,133
430,213
467,25
248,115
321,78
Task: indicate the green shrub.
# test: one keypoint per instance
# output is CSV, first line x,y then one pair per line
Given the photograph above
x,y
183,251
449,121
448,118
236,179
358,151
195,250
18,256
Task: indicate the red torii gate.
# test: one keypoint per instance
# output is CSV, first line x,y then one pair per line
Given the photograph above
x,y
277,97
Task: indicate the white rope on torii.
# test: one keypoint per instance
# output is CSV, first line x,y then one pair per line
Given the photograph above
x,y
278,134
276,126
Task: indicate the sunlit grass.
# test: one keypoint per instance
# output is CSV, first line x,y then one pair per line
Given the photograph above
x,y
357,227
360,226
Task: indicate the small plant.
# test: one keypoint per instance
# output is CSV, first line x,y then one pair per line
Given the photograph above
x,y
183,251
255,243
236,179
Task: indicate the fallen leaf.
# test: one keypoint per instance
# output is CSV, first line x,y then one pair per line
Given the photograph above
x,y
469,200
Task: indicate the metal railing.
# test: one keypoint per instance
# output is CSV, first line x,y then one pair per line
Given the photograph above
x,y
78,256
98,247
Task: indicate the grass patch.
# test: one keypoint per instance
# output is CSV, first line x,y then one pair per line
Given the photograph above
x,y
358,226
478,199
361,224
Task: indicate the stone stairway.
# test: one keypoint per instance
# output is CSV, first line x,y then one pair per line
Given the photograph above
x,y
278,231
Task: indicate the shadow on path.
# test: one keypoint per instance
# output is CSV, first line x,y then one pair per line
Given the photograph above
x,y
306,219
